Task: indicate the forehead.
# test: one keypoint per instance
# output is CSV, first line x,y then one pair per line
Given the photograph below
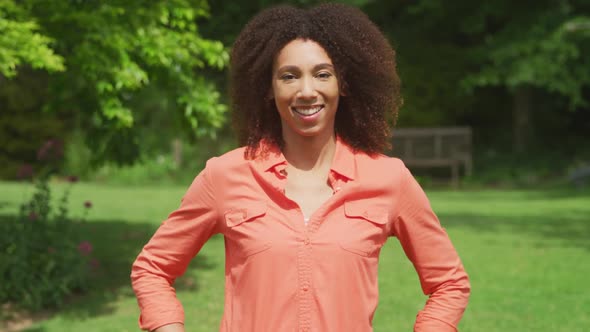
x,y
302,52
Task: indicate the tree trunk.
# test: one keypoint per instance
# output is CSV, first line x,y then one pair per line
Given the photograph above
x,y
177,152
521,126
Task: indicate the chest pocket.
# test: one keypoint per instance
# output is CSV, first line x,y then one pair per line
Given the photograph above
x,y
246,230
366,228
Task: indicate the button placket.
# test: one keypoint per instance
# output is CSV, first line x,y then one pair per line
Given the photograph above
x,y
304,266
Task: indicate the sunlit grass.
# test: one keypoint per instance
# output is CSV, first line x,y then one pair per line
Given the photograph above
x,y
527,253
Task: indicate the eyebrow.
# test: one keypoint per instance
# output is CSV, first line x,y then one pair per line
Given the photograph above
x,y
316,67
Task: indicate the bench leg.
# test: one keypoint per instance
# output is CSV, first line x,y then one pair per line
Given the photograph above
x,y
455,175
468,167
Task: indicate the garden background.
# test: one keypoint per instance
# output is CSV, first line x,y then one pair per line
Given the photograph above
x,y
108,109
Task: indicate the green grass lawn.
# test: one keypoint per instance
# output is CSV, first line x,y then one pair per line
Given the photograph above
x,y
527,254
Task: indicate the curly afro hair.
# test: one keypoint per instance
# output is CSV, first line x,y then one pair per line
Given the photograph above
x,y
363,59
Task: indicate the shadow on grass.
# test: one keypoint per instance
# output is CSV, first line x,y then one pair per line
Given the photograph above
x,y
116,244
560,193
569,226
4,205
571,230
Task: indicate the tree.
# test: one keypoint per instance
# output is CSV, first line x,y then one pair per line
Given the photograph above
x,y
534,47
456,48
21,42
101,55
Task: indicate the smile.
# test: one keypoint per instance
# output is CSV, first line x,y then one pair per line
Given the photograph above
x,y
307,110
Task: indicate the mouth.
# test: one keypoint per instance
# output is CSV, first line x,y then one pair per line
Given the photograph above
x,y
307,110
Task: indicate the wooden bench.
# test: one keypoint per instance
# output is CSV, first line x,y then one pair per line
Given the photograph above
x,y
435,147
580,176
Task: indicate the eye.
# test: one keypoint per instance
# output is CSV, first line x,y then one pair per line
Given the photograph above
x,y
324,75
287,77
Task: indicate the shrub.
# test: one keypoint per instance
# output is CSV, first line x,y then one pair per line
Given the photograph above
x,y
42,257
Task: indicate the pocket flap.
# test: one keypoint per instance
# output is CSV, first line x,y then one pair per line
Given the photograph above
x,y
235,217
365,210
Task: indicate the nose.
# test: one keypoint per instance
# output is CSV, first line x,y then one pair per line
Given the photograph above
x,y
307,89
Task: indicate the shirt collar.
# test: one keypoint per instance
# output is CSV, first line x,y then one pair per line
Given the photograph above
x,y
343,163
269,156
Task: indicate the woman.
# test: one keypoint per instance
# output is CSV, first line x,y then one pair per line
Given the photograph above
x,y
307,204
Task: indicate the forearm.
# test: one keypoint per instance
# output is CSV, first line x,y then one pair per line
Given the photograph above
x,y
176,327
168,253
441,273
157,300
445,307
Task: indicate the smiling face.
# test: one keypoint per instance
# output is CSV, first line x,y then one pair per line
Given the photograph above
x,y
305,90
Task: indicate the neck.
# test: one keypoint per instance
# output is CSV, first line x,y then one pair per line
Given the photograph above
x,y
310,153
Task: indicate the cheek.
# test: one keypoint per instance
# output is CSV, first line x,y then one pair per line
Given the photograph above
x,y
281,102
334,95
279,105
333,90
283,95
337,89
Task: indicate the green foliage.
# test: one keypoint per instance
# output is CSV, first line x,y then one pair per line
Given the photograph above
x,y
77,156
539,168
42,259
111,52
452,48
539,46
21,42
161,168
138,75
23,126
548,65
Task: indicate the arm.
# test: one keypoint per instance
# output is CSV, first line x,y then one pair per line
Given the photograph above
x,y
427,245
168,253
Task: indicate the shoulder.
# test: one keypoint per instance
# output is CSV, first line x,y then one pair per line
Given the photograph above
x,y
381,171
232,159
379,164
222,171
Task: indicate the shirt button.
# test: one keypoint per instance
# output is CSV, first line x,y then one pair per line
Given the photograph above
x,y
306,241
304,329
305,288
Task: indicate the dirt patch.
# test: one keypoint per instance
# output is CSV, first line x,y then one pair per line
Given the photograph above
x,y
13,320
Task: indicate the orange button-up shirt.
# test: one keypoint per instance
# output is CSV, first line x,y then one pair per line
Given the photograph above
x,y
283,275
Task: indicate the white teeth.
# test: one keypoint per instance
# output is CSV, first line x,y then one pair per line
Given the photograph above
x,y
307,111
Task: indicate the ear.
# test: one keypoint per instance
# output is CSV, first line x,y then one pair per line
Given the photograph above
x,y
342,89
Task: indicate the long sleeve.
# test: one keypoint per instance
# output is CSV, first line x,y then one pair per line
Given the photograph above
x,y
168,253
427,245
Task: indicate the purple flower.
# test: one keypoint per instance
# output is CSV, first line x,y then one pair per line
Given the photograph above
x,y
88,204
50,150
25,172
44,150
94,264
85,248
33,216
